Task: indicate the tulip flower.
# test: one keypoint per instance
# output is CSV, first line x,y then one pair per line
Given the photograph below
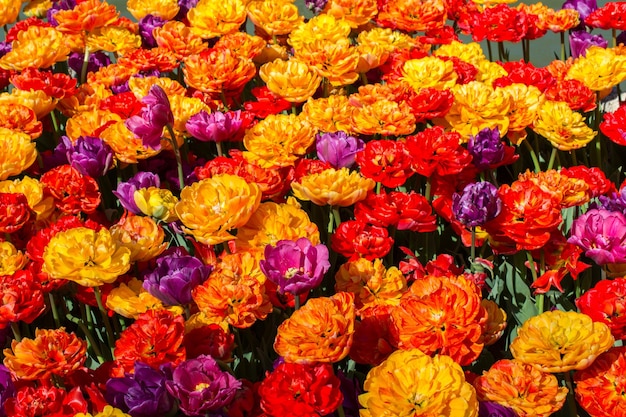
x,y
89,155
142,393
155,116
176,274
295,267
338,149
477,204
201,386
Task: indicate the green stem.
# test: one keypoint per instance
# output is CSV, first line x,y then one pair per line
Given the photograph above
x,y
562,46
571,401
526,45
81,325
55,311
83,70
220,150
473,247
533,155
16,331
340,411
552,159
296,302
597,156
105,318
364,79
501,52
336,216
331,221
539,298
179,162
224,100
489,50
428,189
55,124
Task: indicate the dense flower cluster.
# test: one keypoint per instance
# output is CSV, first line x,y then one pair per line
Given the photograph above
x,y
247,208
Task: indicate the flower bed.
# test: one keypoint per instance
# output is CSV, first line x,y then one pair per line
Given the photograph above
x,y
353,214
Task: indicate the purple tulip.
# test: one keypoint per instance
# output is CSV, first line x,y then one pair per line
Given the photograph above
x,y
583,7
89,155
612,202
621,38
185,6
486,148
146,25
155,115
7,389
5,48
602,234
581,40
96,61
295,267
491,409
316,6
338,149
477,204
126,190
214,127
175,276
143,393
201,386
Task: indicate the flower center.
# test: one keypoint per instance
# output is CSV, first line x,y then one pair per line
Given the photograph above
x,y
291,272
201,386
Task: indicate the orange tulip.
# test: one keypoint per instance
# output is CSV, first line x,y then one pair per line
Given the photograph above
x,y
51,352
522,387
428,318
320,331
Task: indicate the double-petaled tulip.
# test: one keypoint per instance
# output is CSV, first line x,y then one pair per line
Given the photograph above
x,y
141,393
89,155
295,267
602,235
175,276
216,126
201,386
477,204
486,148
338,148
560,341
410,383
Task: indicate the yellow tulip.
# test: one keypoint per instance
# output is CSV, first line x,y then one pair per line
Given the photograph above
x,y
212,207
559,341
86,257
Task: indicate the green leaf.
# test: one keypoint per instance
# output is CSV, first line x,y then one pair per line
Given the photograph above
x,y
528,310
